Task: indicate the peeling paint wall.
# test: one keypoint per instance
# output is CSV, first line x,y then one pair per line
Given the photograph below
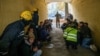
x,y
89,11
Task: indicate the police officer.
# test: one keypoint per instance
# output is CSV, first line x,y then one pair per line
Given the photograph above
x,y
10,37
70,36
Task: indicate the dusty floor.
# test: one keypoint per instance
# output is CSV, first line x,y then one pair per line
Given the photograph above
x,y
59,47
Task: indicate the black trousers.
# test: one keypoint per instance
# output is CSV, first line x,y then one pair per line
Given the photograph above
x,y
71,44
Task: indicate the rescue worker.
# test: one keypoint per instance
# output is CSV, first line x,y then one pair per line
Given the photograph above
x,y
58,16
70,36
34,23
10,38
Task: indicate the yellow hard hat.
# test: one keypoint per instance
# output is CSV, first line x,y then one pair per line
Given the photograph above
x,y
27,15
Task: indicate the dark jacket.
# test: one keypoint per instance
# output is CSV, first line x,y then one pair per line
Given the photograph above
x,y
87,32
10,35
39,32
25,49
34,24
43,34
35,18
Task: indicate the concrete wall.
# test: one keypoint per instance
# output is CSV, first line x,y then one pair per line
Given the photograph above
x,y
89,11
10,10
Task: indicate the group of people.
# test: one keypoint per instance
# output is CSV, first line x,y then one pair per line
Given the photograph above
x,y
16,42
76,33
32,44
25,37
44,30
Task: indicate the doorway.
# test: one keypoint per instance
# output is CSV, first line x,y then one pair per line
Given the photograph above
x,y
55,7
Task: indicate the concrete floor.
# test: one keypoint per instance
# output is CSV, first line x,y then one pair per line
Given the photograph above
x,y
59,47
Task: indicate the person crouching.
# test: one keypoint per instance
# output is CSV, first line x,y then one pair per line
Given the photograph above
x,y
70,36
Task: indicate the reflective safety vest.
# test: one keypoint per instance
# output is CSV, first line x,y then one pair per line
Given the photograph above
x,y
70,34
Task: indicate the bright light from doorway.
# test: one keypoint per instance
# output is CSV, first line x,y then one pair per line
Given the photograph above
x,y
54,7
